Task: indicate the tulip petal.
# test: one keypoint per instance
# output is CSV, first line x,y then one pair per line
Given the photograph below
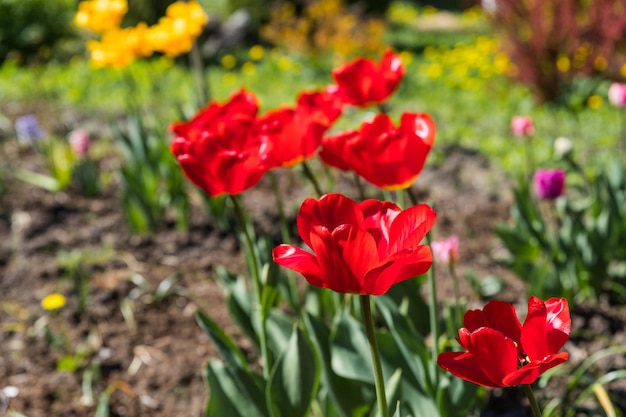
x,y
330,211
497,315
410,227
329,251
558,322
300,261
463,365
529,373
495,353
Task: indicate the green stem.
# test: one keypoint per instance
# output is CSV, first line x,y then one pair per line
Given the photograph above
x,y
458,319
412,196
432,315
359,186
378,369
532,399
530,163
256,286
308,173
284,229
195,60
400,201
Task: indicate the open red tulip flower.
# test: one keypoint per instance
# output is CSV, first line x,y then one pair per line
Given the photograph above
x,y
363,82
295,134
389,157
361,248
501,352
217,148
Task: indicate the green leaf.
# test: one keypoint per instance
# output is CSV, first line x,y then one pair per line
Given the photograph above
x,y
226,347
42,181
294,378
350,350
346,397
234,392
279,328
238,300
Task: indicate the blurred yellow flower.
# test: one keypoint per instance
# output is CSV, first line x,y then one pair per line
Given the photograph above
x,y
188,15
563,63
229,61
623,71
248,68
175,33
100,15
600,63
53,301
594,102
119,47
256,52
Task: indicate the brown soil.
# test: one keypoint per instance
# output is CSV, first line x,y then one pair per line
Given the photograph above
x,y
151,364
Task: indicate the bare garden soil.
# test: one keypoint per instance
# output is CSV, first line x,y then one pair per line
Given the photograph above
x,y
150,359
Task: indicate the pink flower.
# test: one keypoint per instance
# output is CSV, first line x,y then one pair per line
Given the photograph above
x,y
446,251
522,126
79,142
549,184
617,95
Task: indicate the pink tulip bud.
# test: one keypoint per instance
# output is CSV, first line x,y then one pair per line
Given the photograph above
x,y
79,142
522,126
617,95
446,251
549,183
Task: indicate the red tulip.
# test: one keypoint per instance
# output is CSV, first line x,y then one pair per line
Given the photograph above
x,y
363,82
217,148
296,133
501,352
390,158
361,248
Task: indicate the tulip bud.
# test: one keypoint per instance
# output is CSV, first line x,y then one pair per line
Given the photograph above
x,y
549,184
522,126
79,142
617,95
446,251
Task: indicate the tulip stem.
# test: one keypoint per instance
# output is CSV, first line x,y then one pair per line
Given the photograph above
x,y
284,230
195,59
432,313
379,379
256,286
532,399
308,173
458,317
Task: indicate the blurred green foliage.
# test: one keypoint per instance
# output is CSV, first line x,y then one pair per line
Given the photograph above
x,y
30,29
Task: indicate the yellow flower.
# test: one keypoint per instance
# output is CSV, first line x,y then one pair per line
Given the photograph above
x,y
248,68
563,63
229,61
53,301
256,52
100,15
600,63
594,102
189,12
119,47
175,33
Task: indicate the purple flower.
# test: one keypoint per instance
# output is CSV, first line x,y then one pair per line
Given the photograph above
x,y
28,129
549,183
522,126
